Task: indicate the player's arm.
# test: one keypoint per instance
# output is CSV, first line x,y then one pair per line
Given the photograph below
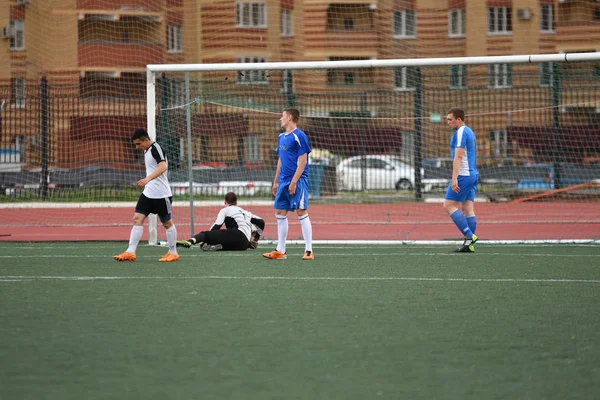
x,y
302,160
219,221
459,154
276,180
160,169
256,234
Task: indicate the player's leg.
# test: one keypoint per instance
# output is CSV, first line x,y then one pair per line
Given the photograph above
x,y
282,205
163,207
453,204
469,207
142,209
225,239
300,201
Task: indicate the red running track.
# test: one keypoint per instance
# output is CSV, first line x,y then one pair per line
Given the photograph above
x,y
397,221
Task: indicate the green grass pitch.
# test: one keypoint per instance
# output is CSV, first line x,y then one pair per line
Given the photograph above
x,y
358,322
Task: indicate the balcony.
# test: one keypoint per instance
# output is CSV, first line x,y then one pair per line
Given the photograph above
x,y
119,55
354,40
130,6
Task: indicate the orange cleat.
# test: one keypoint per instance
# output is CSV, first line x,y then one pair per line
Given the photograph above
x,y
275,255
125,256
169,257
308,255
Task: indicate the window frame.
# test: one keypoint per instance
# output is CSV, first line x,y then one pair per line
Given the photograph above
x,y
174,39
544,18
287,81
460,71
252,148
405,73
500,76
246,77
549,74
17,39
500,23
461,23
402,17
18,92
245,16
287,25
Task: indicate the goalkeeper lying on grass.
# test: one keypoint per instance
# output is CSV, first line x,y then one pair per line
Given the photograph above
x,y
243,229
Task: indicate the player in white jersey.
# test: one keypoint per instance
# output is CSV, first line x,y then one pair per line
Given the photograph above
x,y
156,198
239,232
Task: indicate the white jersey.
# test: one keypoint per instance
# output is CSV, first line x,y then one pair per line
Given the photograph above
x,y
157,188
235,217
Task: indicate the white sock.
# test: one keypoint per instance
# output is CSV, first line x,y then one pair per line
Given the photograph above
x,y
172,239
282,231
306,232
134,237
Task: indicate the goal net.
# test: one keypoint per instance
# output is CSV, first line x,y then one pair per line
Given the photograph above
x,y
380,162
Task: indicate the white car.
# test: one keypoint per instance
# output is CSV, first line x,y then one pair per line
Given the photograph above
x,y
382,172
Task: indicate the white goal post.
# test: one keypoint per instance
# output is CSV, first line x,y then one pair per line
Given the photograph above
x,y
153,70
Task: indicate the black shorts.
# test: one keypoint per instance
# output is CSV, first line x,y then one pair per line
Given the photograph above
x,y
231,239
161,207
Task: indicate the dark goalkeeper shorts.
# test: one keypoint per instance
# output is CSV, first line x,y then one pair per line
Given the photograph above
x,y
161,207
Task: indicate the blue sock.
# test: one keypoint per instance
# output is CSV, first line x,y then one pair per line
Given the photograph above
x,y
461,223
472,222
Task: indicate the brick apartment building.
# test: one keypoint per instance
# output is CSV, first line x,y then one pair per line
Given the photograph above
x,y
94,53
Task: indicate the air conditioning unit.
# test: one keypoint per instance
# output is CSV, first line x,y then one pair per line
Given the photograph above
x,y
23,2
524,14
7,32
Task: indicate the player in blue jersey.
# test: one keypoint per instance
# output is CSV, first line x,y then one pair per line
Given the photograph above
x,y
460,196
290,186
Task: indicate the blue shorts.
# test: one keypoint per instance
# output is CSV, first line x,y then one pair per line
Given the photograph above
x,y
299,201
468,187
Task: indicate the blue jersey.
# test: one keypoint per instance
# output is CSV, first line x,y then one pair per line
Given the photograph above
x,y
465,138
290,146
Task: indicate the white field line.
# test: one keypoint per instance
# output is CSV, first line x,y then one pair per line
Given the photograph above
x,y
289,278
195,254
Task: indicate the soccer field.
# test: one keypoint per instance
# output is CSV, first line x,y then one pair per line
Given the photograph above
x,y
358,322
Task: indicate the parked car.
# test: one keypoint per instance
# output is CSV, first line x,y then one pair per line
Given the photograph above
x,y
437,162
381,172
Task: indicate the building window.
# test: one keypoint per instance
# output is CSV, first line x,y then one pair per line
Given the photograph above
x,y
500,76
348,24
17,92
500,20
175,93
286,23
174,39
17,39
547,18
252,148
596,14
404,24
456,22
405,78
458,77
252,76
499,141
287,81
546,74
250,15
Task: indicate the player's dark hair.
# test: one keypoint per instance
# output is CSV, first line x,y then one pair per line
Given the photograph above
x,y
231,198
140,133
457,112
295,114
